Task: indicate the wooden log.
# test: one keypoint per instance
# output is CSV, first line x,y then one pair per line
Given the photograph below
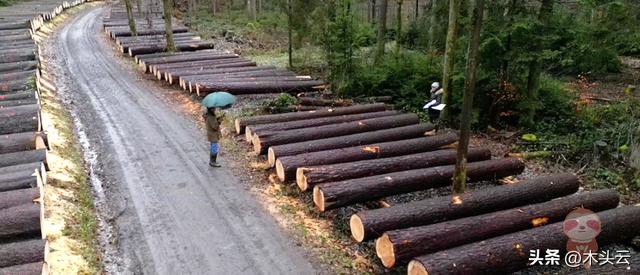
x,y
7,76
190,46
17,56
370,224
118,32
23,252
399,246
21,142
206,72
12,86
20,119
510,253
18,180
260,87
14,25
223,76
307,177
19,102
263,141
297,124
20,95
333,195
124,47
24,269
237,64
234,77
142,57
179,59
20,167
18,197
393,142
141,38
242,122
20,221
24,157
185,65
323,102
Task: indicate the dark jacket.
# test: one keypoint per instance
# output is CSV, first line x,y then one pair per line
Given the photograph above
x,y
213,127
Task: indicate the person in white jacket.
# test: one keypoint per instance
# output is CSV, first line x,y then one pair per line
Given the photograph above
x,y
434,105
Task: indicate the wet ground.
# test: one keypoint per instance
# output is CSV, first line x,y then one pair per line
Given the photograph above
x,y
163,210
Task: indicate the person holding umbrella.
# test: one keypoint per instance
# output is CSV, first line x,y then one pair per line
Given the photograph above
x,y
213,116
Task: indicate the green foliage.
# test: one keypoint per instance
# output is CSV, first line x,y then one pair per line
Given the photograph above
x,y
5,3
283,100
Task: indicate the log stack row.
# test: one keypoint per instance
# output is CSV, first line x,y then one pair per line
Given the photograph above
x,y
23,143
196,67
366,153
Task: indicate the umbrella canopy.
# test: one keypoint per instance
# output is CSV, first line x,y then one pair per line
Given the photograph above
x,y
218,99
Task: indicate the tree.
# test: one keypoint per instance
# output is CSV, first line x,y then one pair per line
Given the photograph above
x,y
449,56
398,24
433,24
167,7
132,21
460,174
382,28
139,5
290,31
214,7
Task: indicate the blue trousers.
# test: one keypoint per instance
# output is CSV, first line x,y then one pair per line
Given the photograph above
x,y
214,148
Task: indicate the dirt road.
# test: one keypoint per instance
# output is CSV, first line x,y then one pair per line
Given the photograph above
x,y
168,211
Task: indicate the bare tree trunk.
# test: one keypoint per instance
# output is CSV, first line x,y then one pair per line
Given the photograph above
x,y
139,5
214,7
373,10
148,15
417,13
460,174
432,24
167,6
132,21
398,24
254,10
449,56
290,31
382,28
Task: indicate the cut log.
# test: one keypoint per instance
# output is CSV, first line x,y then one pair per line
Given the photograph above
x,y
190,46
20,119
13,86
262,75
183,58
18,197
163,73
14,26
124,47
20,221
394,143
370,224
18,180
260,87
21,142
24,269
262,142
7,76
323,102
118,32
333,195
20,167
242,122
510,253
204,72
17,56
23,252
297,124
307,177
19,102
24,157
399,246
185,65
18,66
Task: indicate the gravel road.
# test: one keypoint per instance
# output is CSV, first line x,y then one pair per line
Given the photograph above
x,y
163,209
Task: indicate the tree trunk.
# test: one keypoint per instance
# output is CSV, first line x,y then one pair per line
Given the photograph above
x,y
290,32
373,10
20,221
23,157
321,151
195,75
262,142
399,246
333,195
188,56
24,252
433,24
509,253
167,6
241,123
139,6
307,177
13,198
23,269
196,64
460,175
450,57
214,7
398,24
20,119
382,28
18,180
370,224
132,21
21,142
310,101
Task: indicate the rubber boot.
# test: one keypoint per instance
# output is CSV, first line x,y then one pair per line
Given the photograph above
x,y
212,160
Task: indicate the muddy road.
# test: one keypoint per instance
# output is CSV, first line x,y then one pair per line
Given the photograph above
x,y
163,209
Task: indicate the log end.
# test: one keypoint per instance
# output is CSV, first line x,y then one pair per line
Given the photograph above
x,y
301,179
356,226
384,250
416,268
40,142
257,146
280,171
318,198
271,157
248,136
238,127
45,268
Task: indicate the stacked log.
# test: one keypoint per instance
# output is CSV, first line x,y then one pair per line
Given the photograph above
x,y
161,47
22,252
12,143
262,75
260,87
18,119
20,221
18,197
370,224
23,157
36,268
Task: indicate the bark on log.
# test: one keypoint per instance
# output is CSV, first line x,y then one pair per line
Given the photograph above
x,y
234,77
185,58
21,142
18,66
333,195
307,177
262,142
323,102
18,102
370,224
124,47
142,57
19,119
190,46
409,140
14,26
24,157
510,253
296,124
18,180
118,32
242,122
236,64
20,167
18,197
260,87
17,56
7,76
23,252
185,65
20,222
24,269
399,246
197,72
13,86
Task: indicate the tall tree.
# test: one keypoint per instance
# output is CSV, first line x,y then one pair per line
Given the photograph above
x,y
214,7
382,28
132,21
167,7
460,174
433,24
253,9
398,24
530,104
139,5
290,30
450,56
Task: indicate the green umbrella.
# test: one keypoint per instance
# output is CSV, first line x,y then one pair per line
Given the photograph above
x,y
218,100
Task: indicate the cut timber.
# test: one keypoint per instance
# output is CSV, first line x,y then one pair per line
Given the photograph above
x,y
323,152
20,221
17,56
296,124
251,75
18,66
23,252
118,32
181,46
399,246
242,122
307,177
20,167
22,142
23,157
20,119
332,195
19,102
510,253
370,224
263,141
19,180
259,87
18,197
24,269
